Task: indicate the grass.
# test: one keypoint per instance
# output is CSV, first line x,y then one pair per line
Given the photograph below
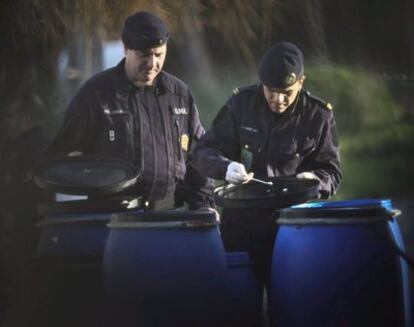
x,y
378,163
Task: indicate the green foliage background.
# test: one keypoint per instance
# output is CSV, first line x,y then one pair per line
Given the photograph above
x,y
376,134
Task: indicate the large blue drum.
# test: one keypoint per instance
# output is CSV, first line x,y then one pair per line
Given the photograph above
x,y
67,276
80,235
66,281
165,269
336,264
244,304
78,228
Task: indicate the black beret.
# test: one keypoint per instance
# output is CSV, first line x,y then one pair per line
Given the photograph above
x,y
144,30
281,65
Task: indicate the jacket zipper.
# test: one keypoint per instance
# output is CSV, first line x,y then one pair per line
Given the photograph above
x,y
177,125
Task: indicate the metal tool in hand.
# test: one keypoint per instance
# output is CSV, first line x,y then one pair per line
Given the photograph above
x,y
251,178
260,181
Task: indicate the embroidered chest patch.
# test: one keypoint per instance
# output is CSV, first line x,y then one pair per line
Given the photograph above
x,y
184,142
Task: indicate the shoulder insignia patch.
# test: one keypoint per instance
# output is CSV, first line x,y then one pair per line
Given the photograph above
x,y
324,104
236,90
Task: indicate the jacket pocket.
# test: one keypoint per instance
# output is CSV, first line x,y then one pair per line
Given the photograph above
x,y
296,149
252,144
306,148
118,134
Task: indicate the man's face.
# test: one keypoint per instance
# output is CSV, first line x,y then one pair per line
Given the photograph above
x,y
279,99
143,66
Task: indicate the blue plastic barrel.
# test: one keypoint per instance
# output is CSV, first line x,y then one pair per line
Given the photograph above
x,y
244,303
67,276
74,235
335,264
165,269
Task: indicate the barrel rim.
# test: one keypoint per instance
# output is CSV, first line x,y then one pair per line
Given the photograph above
x,y
90,206
331,221
91,220
337,212
335,215
162,224
162,216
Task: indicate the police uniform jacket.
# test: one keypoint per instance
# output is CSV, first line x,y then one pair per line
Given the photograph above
x,y
154,127
303,138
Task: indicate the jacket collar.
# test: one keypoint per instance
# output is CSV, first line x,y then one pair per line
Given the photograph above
x,y
297,106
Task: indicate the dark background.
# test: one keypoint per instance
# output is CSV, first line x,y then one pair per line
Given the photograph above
x,y
359,56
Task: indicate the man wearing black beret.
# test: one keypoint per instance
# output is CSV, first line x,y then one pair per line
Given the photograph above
x,y
140,113
271,129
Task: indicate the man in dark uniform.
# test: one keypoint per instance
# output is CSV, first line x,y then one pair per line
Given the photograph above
x,y
140,113
275,128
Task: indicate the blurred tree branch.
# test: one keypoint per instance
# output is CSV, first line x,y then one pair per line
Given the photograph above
x,y
33,33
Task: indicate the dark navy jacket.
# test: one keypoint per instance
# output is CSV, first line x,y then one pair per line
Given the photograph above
x,y
301,139
154,127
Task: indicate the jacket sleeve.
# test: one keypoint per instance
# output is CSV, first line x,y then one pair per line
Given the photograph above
x,y
326,162
220,145
75,133
196,189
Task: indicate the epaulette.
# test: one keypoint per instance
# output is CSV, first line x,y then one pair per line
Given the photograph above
x,y
324,104
238,90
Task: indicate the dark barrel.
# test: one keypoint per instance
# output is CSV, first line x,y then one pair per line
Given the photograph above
x,y
336,264
78,235
165,268
65,286
70,252
244,304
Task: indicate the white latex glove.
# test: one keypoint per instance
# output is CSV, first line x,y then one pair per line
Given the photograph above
x,y
236,173
307,175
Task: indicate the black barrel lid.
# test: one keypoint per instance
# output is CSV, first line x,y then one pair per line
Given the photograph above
x,y
284,192
86,175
